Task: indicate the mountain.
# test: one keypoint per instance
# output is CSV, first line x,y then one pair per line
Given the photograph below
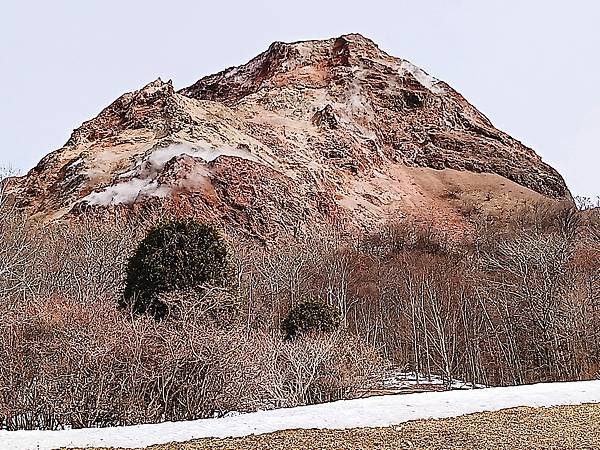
x,y
305,134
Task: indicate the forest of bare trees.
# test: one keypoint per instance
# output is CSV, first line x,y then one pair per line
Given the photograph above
x,y
509,304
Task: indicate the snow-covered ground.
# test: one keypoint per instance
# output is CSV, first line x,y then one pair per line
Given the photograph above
x,y
368,412
410,380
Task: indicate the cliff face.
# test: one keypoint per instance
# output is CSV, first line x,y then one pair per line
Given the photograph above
x,y
305,133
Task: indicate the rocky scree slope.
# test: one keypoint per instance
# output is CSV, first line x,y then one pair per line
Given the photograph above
x,y
305,134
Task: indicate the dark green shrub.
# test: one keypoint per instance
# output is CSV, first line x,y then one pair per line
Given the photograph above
x,y
180,255
311,315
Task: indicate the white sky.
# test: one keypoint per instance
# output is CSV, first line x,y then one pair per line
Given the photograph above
x,y
532,66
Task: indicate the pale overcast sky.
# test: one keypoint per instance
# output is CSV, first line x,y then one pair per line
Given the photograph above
x,y
532,67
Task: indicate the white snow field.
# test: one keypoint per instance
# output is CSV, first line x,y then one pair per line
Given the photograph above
x,y
368,412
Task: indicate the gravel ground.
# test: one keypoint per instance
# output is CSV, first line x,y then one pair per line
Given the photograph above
x,y
562,427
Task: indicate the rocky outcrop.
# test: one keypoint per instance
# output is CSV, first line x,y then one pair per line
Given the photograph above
x,y
306,133
389,105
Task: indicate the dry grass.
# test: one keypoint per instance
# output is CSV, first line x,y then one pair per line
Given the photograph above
x,y
563,427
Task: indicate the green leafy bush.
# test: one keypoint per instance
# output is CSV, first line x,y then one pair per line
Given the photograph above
x,y
177,256
311,315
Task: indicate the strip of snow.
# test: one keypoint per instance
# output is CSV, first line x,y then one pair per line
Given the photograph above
x,y
426,80
75,163
403,380
368,412
142,180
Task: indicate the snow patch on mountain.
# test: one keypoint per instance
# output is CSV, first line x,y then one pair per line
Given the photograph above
x,y
426,80
142,179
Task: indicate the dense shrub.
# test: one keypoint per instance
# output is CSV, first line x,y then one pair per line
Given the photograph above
x,y
180,255
316,368
66,365
406,236
311,316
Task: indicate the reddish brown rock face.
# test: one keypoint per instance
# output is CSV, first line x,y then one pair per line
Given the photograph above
x,y
306,133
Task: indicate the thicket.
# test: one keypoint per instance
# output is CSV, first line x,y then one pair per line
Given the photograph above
x,y
178,256
311,316
508,305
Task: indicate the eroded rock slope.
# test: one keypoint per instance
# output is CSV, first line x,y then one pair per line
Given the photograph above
x,y
305,134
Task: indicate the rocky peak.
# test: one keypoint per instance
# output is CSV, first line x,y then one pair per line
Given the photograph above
x,y
152,106
279,59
